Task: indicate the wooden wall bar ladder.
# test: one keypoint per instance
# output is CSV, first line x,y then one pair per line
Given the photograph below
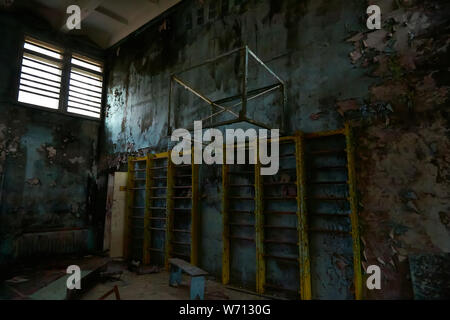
x,y
342,147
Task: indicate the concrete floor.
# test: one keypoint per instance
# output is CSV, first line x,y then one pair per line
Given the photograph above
x,y
156,287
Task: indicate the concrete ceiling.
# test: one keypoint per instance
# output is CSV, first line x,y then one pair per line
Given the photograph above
x,y
105,22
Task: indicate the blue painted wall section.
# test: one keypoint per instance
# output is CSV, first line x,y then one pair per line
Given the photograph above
x,y
385,82
47,160
392,85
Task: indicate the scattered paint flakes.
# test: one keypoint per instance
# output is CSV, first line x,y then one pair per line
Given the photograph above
x,y
347,105
315,116
356,37
34,182
75,160
355,55
381,261
51,152
376,40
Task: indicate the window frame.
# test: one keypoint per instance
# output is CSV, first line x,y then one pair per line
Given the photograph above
x,y
67,54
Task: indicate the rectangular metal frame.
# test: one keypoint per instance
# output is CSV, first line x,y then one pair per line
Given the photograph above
x,y
246,95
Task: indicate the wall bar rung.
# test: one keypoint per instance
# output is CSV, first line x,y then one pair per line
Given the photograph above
x,y
181,243
246,225
241,185
287,198
324,134
280,212
241,211
324,152
328,182
281,257
330,231
329,215
241,198
330,168
328,198
157,229
241,172
181,231
279,183
286,156
280,227
242,238
281,242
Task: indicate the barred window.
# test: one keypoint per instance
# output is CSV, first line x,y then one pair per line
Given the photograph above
x,y
42,81
86,86
40,77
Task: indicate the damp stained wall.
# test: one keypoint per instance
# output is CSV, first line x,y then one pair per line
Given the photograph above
x,y
138,85
47,160
403,139
391,84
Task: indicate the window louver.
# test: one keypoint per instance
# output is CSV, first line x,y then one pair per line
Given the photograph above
x,y
85,88
40,77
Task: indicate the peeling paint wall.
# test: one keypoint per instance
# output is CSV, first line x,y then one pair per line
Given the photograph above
x,y
302,41
403,138
299,40
392,84
47,160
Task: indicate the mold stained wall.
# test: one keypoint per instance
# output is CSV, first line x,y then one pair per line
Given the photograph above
x,y
47,160
392,85
403,136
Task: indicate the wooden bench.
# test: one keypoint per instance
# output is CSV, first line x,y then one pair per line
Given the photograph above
x,y
197,287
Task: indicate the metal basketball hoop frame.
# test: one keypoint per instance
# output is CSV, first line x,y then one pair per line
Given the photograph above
x,y
244,97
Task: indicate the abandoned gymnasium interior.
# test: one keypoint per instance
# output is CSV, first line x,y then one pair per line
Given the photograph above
x,y
263,150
